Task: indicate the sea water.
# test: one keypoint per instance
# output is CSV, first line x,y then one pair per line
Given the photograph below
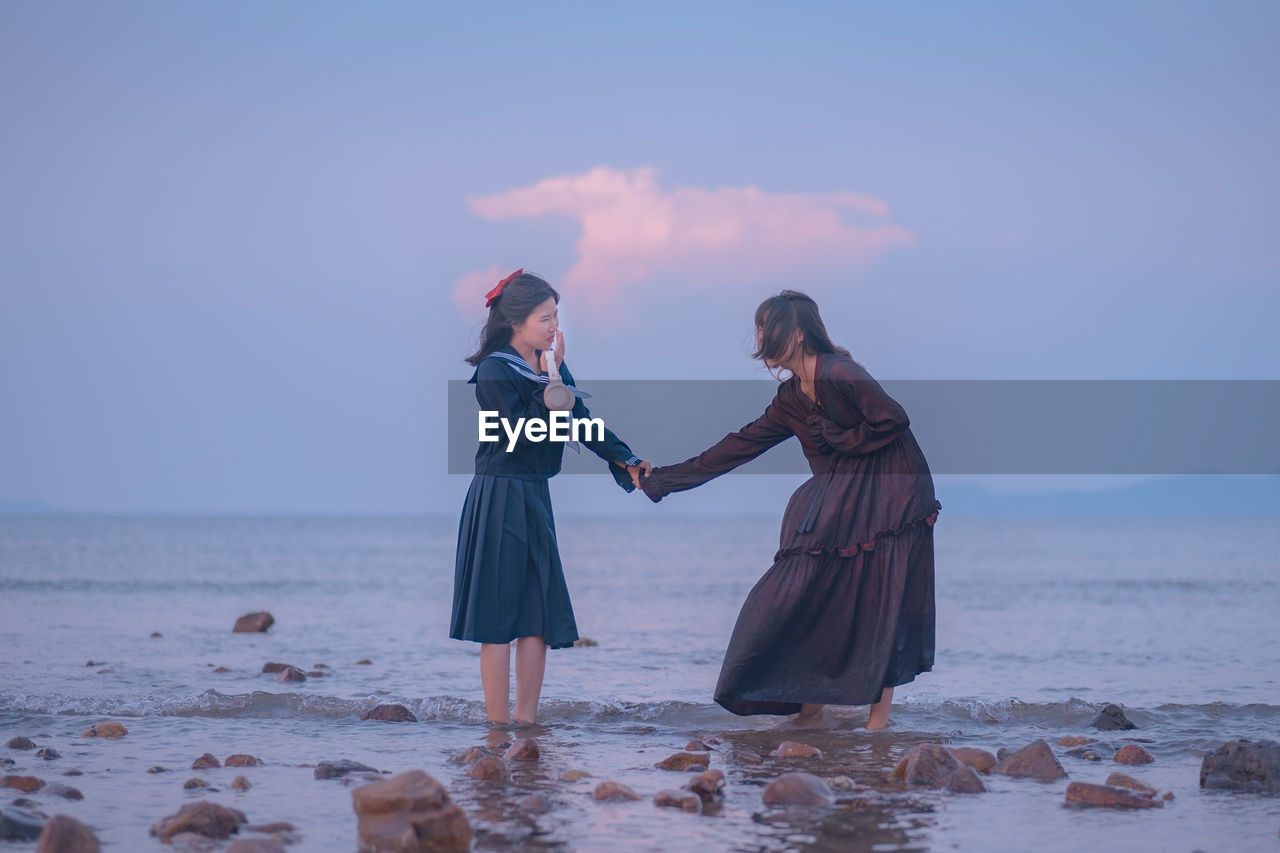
x,y
1040,623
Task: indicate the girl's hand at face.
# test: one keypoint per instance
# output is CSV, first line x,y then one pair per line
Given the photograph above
x,y
559,354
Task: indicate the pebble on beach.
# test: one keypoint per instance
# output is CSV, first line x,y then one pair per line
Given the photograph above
x,y
490,768
683,760
254,623
1132,754
709,784
965,781
203,818
336,769
25,784
409,812
19,825
524,749
105,730
979,759
797,789
1124,780
1034,761
927,765
606,791
389,714
65,834
1111,719
1243,765
796,749
683,800
1086,794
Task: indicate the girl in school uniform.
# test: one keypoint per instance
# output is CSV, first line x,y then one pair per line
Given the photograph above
x,y
508,581
846,612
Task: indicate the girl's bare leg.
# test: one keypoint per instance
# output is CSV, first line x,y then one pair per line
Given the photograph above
x,y
531,663
879,717
495,675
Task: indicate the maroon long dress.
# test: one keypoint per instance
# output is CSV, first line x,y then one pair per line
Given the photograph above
x,y
847,607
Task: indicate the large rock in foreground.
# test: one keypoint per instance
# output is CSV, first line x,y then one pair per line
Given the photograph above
x,y
409,813
1243,765
63,834
203,818
1034,761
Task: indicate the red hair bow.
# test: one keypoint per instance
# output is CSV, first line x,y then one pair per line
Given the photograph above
x,y
497,291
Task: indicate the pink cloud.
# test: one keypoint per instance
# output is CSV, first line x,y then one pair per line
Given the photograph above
x,y
634,231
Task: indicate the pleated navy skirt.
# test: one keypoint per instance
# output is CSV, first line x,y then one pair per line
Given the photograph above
x,y
508,581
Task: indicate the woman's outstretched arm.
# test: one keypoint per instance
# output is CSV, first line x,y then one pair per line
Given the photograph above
x,y
728,453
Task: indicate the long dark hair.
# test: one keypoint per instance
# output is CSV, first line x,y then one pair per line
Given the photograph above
x,y
779,317
514,305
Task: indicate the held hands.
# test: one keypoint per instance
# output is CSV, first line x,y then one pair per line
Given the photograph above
x,y
636,472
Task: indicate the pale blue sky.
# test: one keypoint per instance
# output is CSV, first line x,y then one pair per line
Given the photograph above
x,y
230,232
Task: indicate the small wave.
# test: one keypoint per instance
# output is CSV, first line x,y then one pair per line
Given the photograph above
x,y
611,710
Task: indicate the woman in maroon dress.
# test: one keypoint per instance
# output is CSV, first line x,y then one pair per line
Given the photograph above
x,y
846,612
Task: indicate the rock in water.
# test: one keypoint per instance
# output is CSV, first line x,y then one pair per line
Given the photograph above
x,y
534,804
684,760
105,730
1106,796
709,785
25,784
1243,765
1132,754
21,743
48,753
205,761
240,783
408,813
63,834
683,800
1124,780
334,769
1035,761
978,759
795,749
798,789
490,768
928,765
242,760
613,791
965,781
203,818
252,623
390,714
274,667
291,674
524,749
17,825
1111,719
257,845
